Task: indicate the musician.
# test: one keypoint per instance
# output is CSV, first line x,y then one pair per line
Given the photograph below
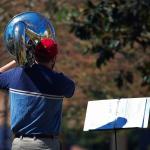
x,y
36,94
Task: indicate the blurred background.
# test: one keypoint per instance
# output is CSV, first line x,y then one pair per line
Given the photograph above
x,y
105,47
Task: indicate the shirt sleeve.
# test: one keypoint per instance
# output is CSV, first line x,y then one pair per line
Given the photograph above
x,y
5,78
69,87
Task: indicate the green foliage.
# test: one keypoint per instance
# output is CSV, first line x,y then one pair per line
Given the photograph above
x,y
113,26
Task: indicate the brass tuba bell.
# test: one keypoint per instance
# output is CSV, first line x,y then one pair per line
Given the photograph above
x,y
23,32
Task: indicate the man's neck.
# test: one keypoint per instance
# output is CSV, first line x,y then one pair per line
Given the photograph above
x,y
47,65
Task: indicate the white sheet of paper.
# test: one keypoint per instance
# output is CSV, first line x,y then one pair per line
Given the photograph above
x,y
132,110
115,113
99,113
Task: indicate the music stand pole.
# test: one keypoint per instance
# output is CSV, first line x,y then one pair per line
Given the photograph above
x,y
116,148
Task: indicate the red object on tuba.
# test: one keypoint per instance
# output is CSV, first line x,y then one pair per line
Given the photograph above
x,y
46,50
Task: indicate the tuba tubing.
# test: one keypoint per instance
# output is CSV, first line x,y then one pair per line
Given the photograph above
x,y
23,32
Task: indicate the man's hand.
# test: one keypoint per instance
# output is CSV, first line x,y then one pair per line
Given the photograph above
x,y
8,66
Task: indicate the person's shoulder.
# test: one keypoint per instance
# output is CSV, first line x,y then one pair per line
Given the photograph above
x,y
16,71
60,75
9,74
12,70
65,78
68,85
18,68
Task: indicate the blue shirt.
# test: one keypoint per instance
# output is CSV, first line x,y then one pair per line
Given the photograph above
x,y
36,96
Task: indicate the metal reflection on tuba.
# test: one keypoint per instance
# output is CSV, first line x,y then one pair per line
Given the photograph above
x,y
23,32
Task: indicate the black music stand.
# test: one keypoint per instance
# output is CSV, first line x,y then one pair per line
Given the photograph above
x,y
117,114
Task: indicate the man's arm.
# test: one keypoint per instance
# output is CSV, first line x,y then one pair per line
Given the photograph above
x,y
8,66
68,87
6,75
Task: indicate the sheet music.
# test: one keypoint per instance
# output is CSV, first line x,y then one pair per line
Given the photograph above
x,y
115,113
132,110
99,113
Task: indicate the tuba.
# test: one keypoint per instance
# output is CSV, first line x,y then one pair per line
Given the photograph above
x,y
22,34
